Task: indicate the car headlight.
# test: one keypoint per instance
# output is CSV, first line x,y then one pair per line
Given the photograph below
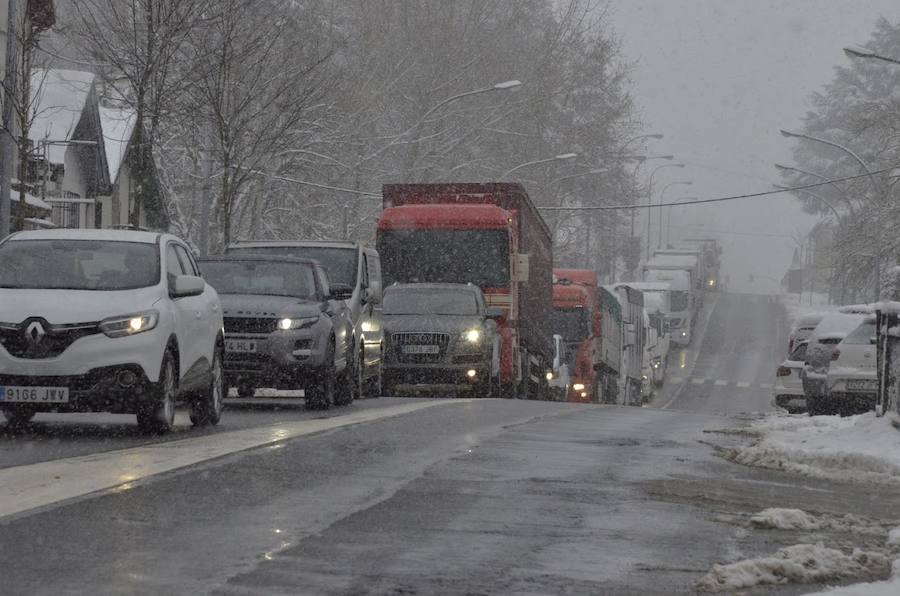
x,y
126,325
286,323
578,387
473,336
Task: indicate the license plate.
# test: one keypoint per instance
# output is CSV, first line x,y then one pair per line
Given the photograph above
x,y
35,395
420,349
866,384
241,346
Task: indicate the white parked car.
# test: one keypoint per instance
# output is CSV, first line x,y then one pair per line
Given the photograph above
x,y
802,327
852,377
830,331
788,384
107,320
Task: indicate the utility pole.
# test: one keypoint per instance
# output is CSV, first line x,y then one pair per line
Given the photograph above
x,y
7,140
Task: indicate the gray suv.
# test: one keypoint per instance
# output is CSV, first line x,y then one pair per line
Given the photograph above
x,y
286,326
354,265
440,335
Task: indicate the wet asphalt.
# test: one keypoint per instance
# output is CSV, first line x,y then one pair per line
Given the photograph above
x,y
482,497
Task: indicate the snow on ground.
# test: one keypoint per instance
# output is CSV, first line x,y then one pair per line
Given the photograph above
x,y
889,587
797,564
857,448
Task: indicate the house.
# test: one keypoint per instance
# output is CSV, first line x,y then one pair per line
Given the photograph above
x,y
81,133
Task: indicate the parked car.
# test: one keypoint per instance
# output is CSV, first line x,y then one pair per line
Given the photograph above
x,y
107,320
828,333
286,326
788,384
441,334
802,328
359,267
852,377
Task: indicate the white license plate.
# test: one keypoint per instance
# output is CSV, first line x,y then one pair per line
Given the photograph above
x,y
35,395
867,384
420,349
241,346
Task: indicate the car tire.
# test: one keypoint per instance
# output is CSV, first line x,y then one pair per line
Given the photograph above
x,y
158,416
347,385
320,396
375,386
18,416
206,408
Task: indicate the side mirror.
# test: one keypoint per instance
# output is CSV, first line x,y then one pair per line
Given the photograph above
x,y
188,285
494,313
373,292
341,292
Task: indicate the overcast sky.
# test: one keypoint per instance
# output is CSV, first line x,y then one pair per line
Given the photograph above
x,y
719,78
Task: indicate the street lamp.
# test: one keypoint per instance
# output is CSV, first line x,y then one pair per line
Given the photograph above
x,y
560,157
871,177
862,52
650,197
643,159
784,168
813,195
662,196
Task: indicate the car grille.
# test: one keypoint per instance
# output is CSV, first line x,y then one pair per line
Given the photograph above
x,y
441,340
43,340
250,325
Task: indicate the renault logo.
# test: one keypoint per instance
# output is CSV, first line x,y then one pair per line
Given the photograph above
x,y
35,332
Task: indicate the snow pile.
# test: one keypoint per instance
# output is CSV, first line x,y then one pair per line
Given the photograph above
x,y
863,447
893,538
785,519
890,587
800,563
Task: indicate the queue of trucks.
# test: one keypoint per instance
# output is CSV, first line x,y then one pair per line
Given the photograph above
x,y
563,335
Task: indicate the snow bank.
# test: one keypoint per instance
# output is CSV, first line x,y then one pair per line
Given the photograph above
x,y
890,587
785,519
800,563
861,448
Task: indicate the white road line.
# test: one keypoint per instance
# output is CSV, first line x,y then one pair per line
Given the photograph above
x,y
743,385
698,380
37,485
721,383
676,380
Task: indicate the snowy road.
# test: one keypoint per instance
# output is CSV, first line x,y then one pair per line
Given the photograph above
x,y
482,496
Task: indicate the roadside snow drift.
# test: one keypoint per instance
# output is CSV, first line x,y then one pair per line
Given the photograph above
x,y
797,564
856,448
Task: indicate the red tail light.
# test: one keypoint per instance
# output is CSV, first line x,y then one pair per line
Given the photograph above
x,y
835,354
783,371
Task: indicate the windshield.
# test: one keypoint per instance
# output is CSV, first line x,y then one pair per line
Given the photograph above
x,y
573,324
430,302
339,263
679,300
864,334
262,278
480,257
78,265
654,300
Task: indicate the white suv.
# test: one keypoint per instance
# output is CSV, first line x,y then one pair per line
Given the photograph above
x,y
107,320
852,377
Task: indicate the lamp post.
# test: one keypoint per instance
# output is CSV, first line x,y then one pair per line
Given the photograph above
x,y
662,196
872,183
560,157
650,197
784,168
862,52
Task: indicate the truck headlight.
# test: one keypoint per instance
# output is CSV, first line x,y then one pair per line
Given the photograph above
x,y
286,323
126,325
578,387
473,336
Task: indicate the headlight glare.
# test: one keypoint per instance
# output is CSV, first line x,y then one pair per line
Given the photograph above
x,y
473,336
126,325
288,323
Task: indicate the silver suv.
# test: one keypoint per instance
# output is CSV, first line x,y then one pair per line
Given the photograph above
x,y
354,265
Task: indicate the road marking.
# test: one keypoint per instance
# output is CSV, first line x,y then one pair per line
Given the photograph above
x,y
721,383
743,385
677,380
23,488
698,380
766,385
698,338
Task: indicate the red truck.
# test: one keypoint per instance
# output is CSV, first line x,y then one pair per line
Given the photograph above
x,y
577,317
490,235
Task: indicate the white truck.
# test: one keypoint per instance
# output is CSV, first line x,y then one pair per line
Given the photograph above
x,y
657,306
634,339
681,315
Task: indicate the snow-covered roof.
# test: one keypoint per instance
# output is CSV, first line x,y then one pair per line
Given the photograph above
x,y
117,124
89,234
30,199
60,97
